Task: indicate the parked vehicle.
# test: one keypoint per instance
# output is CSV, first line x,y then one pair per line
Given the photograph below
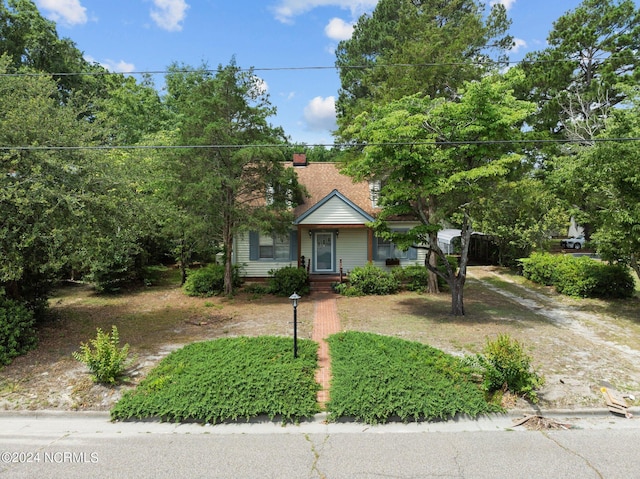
x,y
576,242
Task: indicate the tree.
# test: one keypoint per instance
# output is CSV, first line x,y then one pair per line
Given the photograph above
x,y
224,178
610,179
436,160
521,215
407,47
31,42
424,47
592,51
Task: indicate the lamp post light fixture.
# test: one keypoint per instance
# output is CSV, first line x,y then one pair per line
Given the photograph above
x,y
294,301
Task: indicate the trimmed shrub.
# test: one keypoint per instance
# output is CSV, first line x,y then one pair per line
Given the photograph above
x,y
412,278
505,365
104,357
371,279
285,281
17,331
208,281
579,276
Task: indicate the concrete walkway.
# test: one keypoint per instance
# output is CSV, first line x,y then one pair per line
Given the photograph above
x,y
325,323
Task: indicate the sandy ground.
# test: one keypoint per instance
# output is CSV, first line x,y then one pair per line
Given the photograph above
x,y
576,344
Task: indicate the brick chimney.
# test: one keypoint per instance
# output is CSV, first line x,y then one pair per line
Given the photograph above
x,y
299,159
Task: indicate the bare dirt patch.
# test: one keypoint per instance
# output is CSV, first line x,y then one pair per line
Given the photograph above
x,y
575,344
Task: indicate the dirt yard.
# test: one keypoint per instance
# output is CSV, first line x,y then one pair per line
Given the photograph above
x,y
576,344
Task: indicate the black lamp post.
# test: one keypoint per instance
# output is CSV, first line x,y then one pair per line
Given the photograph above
x,y
294,301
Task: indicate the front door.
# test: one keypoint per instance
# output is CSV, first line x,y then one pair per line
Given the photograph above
x,y
324,251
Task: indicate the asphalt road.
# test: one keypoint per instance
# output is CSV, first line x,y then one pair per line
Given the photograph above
x,y
49,445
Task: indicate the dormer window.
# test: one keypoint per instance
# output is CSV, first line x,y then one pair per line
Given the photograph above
x,y
374,192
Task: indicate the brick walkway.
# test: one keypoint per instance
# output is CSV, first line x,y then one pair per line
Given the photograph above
x,y
325,323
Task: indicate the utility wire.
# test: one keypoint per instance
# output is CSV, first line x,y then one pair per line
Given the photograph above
x,y
333,145
106,72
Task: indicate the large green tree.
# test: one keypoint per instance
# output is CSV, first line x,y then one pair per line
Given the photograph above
x,y
593,50
230,165
407,47
609,180
436,160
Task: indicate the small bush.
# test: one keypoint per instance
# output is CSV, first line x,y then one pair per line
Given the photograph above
x,y
288,280
17,331
541,267
413,278
104,357
505,365
370,279
209,280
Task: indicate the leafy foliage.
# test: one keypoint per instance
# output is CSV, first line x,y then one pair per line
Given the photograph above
x,y
580,277
228,379
104,356
285,281
208,281
371,279
504,364
378,378
17,332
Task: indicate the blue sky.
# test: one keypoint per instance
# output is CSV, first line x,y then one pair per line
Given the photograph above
x,y
277,37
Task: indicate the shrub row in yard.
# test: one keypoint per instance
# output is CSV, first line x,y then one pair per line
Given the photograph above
x,y
579,276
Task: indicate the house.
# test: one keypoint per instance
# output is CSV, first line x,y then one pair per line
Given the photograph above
x,y
329,234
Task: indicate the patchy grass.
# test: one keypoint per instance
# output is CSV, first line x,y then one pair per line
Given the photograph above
x,y
228,379
378,378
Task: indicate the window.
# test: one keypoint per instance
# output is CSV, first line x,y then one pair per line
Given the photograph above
x,y
386,249
265,246
374,192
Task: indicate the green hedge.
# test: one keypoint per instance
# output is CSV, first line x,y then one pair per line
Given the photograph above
x,y
209,280
17,330
371,279
288,280
579,276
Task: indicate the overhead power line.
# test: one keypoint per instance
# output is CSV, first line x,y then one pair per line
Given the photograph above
x,y
333,145
289,68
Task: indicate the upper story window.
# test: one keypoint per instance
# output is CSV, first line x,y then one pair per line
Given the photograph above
x,y
374,192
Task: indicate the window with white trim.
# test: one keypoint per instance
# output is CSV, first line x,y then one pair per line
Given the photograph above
x,y
274,247
387,249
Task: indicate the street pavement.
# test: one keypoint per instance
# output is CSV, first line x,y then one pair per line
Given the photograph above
x,y
87,445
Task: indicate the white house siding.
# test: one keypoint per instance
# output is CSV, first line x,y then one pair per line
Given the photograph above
x,y
334,212
351,248
256,268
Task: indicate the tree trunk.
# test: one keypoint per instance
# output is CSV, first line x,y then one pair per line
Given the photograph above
x,y
457,296
228,267
634,264
432,283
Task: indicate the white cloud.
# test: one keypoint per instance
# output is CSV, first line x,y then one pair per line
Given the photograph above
x,y
285,10
169,14
320,114
507,3
337,29
120,67
113,66
518,44
67,12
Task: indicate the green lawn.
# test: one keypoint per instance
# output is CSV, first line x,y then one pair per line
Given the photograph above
x,y
228,379
380,378
375,379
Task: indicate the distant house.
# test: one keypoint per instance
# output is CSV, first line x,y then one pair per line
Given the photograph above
x,y
329,234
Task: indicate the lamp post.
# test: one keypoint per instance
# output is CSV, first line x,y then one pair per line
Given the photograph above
x,y
294,301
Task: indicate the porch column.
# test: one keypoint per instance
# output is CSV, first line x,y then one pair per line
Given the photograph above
x,y
369,245
300,245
